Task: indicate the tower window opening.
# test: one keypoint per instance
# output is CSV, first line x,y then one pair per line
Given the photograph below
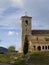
x,y
26,22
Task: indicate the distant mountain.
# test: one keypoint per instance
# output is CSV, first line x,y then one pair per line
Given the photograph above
x,y
2,49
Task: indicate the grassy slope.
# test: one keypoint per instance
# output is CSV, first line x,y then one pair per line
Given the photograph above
x,y
7,58
39,58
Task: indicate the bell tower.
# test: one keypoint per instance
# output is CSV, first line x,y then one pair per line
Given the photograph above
x,y
26,28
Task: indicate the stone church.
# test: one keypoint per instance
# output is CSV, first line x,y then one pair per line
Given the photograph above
x,y
38,39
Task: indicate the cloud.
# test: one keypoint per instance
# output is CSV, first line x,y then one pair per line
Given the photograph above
x,y
11,20
16,3
10,33
39,10
6,4
11,10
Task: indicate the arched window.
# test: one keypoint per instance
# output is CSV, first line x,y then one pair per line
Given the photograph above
x,y
37,38
26,22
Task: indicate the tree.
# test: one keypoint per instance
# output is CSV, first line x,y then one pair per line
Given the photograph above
x,y
26,45
11,48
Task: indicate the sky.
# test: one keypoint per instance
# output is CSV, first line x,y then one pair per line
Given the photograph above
x,y
10,14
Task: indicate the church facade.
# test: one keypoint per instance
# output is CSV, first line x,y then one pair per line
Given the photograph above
x,y
38,39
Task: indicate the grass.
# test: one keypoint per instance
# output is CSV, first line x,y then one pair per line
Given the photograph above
x,y
39,58
21,62
10,57
35,58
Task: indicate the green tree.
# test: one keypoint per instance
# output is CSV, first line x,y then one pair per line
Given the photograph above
x,y
11,48
26,45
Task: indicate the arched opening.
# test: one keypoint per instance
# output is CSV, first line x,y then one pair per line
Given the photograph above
x,y
34,47
42,47
39,48
48,47
45,47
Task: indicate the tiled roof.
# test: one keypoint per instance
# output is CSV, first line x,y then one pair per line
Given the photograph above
x,y
39,41
33,32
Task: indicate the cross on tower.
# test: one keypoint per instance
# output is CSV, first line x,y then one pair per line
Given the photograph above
x,y
25,13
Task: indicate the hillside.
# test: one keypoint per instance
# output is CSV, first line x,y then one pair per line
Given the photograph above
x,y
2,49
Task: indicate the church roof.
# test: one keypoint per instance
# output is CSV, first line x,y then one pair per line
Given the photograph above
x,y
33,32
26,17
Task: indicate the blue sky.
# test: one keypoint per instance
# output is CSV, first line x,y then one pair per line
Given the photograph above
x,y
10,13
